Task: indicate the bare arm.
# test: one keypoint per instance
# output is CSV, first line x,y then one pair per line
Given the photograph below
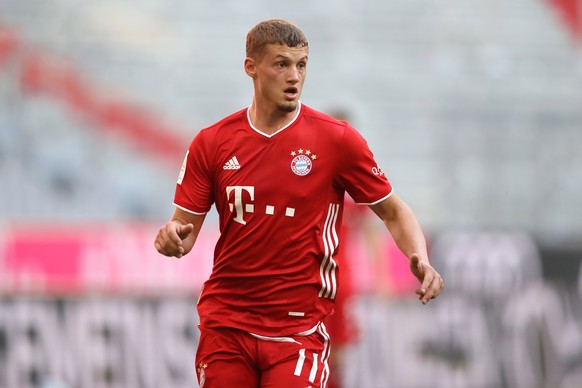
x,y
177,237
407,233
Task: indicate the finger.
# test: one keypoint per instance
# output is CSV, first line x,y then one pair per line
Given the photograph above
x,y
168,233
174,235
434,289
165,249
427,282
427,296
185,230
166,244
161,242
425,293
440,286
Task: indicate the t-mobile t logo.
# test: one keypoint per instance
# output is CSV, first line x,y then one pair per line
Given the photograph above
x,y
237,207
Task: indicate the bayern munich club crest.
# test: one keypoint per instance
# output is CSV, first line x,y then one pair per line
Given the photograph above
x,y
302,162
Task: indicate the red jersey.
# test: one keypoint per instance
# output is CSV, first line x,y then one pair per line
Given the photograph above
x,y
280,201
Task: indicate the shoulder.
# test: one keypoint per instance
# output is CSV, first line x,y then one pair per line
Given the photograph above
x,y
234,120
330,128
339,130
322,119
210,138
219,132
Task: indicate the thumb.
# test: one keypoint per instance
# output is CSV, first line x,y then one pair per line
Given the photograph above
x,y
185,230
415,261
416,267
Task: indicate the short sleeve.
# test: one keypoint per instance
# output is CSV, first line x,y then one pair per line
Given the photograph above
x,y
358,171
194,187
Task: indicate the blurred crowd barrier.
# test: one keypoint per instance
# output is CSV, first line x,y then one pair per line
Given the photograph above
x,y
97,341
98,307
499,323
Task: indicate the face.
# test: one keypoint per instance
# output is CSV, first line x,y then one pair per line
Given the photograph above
x,y
278,76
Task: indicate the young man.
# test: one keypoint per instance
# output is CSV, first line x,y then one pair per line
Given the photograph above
x,y
277,173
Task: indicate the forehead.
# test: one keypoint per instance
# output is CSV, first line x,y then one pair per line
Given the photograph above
x,y
275,50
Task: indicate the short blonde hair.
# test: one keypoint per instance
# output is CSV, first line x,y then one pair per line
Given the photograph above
x,y
273,31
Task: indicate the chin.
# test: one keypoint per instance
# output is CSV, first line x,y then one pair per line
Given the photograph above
x,y
287,106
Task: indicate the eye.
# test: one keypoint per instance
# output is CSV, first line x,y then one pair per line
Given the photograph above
x,y
280,65
302,65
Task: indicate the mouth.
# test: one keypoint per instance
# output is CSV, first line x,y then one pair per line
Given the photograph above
x,y
291,93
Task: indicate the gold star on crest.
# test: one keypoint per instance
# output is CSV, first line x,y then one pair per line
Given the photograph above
x,y
301,151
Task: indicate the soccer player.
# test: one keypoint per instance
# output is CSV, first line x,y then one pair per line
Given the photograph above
x,y
277,172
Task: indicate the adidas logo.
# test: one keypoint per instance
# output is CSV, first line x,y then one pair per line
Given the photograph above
x,y
232,164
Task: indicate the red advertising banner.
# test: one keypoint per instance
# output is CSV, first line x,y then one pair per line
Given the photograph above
x,y
98,258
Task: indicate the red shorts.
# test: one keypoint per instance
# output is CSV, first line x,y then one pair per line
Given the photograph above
x,y
235,358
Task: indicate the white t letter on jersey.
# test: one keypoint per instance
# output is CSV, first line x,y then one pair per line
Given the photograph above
x,y
238,203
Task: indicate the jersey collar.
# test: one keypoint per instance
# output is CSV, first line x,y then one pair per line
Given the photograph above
x,y
274,133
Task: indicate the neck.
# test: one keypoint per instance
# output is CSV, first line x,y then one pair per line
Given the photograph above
x,y
269,121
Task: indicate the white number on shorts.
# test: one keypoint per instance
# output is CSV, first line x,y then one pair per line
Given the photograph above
x,y
301,361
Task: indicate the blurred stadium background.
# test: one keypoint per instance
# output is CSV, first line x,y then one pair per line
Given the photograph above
x,y
473,109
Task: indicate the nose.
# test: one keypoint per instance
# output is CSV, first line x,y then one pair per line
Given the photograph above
x,y
294,74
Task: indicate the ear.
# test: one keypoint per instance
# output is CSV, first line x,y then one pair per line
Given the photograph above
x,y
250,67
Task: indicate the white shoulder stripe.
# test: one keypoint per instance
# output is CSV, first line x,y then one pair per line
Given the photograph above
x,y
378,201
190,211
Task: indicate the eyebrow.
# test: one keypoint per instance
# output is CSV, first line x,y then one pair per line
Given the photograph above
x,y
280,56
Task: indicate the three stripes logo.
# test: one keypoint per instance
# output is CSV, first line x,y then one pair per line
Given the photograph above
x,y
232,164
